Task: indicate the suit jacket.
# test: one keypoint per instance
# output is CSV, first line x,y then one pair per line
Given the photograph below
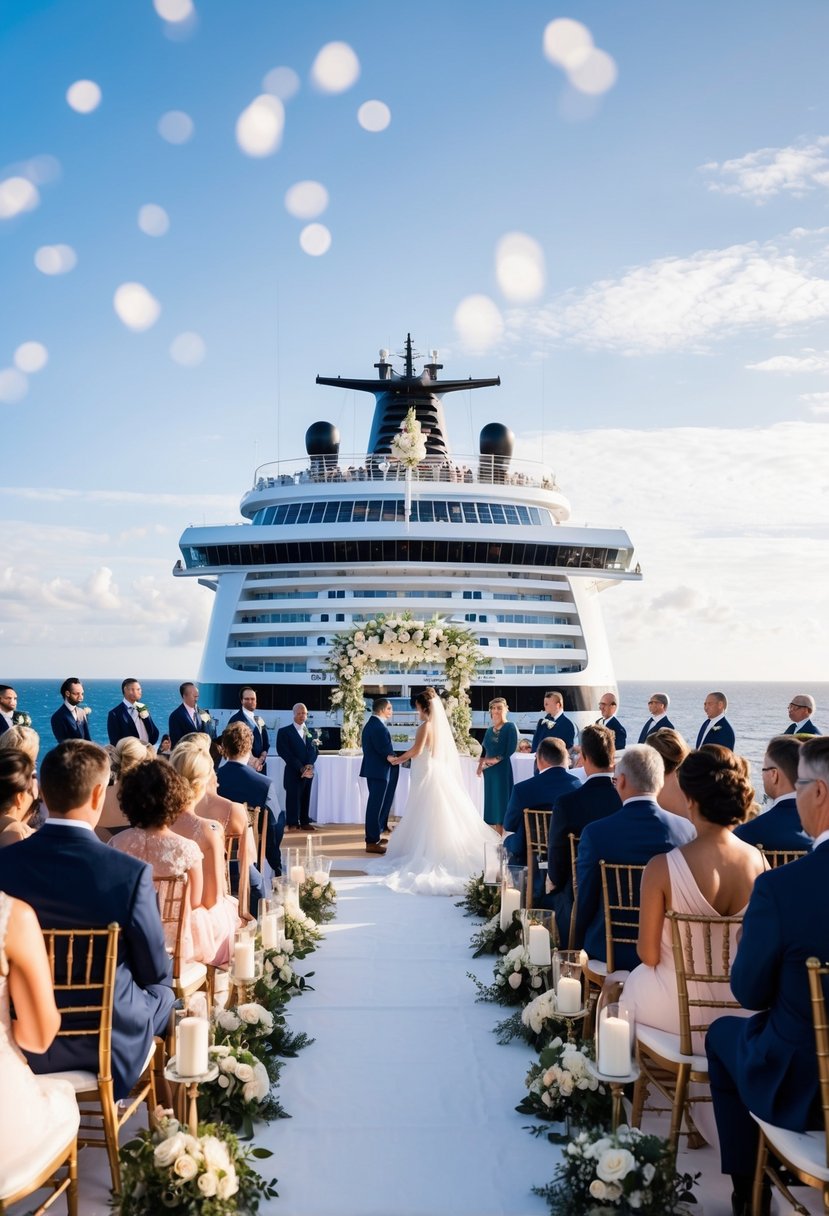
x,y
261,738
120,725
180,724
595,799
650,726
295,751
635,834
541,792
618,731
4,726
785,923
802,728
564,729
722,734
66,726
241,783
779,828
377,745
72,880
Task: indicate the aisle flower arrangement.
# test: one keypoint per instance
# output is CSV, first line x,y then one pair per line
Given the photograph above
x,y
492,939
167,1169
302,932
248,1027
241,1094
538,1023
480,898
279,982
318,898
516,980
560,1088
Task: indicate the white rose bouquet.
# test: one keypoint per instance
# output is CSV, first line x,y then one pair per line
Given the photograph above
x,y
241,1094
302,933
516,980
622,1172
210,1174
560,1088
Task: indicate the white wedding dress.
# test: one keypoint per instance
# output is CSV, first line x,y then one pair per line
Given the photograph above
x,y
439,843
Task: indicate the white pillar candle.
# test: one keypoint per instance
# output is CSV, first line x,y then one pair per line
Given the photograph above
x,y
244,967
568,995
191,1047
538,945
510,902
298,875
614,1047
268,931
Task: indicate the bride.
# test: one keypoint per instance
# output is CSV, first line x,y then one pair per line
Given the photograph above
x,y
439,843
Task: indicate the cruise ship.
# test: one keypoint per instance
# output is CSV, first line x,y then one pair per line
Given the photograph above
x,y
331,540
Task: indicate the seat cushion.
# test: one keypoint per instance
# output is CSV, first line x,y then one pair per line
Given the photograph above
x,y
804,1150
666,1045
82,1082
192,975
30,1165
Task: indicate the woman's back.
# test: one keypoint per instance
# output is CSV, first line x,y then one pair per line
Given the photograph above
x,y
723,869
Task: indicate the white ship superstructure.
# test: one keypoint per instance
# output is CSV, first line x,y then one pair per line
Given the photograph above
x,y
327,544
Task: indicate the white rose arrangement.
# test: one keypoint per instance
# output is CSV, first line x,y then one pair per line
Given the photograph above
x,y
241,1094
560,1087
516,980
409,445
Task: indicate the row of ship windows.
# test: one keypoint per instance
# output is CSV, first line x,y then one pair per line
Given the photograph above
x,y
511,618
517,669
300,643
374,594
392,510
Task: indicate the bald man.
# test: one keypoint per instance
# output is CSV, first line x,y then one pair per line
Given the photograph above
x,y
297,749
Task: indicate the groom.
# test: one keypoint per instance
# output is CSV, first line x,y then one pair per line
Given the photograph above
x,y
380,772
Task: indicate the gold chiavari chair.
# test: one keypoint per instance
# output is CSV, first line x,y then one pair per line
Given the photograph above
x,y
174,904
536,830
574,853
781,857
804,1154
703,949
620,896
258,821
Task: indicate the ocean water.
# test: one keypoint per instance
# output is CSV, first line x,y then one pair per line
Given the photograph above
x,y
756,710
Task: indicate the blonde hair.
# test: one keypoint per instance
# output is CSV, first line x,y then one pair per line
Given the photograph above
x,y
22,739
198,739
127,753
193,763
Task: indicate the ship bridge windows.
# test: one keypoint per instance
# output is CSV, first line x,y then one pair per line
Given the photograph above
x,y
264,665
392,510
536,643
278,640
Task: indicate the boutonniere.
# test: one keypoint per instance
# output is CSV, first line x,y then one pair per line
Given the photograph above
x,y
141,709
85,710
260,722
714,729
21,718
204,715
549,722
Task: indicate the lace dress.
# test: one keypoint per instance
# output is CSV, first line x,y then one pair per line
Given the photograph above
x,y
37,1115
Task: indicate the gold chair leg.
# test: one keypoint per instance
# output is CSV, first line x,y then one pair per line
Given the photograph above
x,y
678,1106
759,1174
111,1133
72,1189
640,1093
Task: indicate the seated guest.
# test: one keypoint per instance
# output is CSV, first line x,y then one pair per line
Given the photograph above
x,y
554,724
37,1115
19,797
241,783
801,708
595,799
766,1064
633,835
126,754
72,880
22,739
540,792
658,704
608,706
673,749
778,825
716,728
524,746
69,721
185,718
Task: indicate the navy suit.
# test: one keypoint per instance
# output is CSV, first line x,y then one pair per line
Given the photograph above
x,y
66,726
381,777
540,792
121,726
722,734
261,739
802,728
635,834
241,783
778,828
767,1063
296,751
650,726
564,729
620,735
73,881
595,799
180,724
4,726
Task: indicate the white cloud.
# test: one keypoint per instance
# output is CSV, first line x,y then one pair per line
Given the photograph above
x,y
188,349
31,357
283,82
176,127
153,220
315,239
336,68
136,306
223,502
55,259
17,194
809,361
84,96
374,116
478,323
259,127
818,403
763,174
306,200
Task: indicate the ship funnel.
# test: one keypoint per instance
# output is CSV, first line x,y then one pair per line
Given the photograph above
x,y
322,443
496,444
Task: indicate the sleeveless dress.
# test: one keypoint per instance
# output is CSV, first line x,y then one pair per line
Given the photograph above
x,y
37,1114
439,843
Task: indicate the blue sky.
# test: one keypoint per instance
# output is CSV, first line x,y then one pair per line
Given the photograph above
x,y
676,357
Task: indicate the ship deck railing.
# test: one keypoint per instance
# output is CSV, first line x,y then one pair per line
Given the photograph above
x,y
458,470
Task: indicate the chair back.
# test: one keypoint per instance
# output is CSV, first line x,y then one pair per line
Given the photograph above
x,y
537,831
574,853
781,857
173,895
703,948
818,973
620,893
82,963
258,821
232,846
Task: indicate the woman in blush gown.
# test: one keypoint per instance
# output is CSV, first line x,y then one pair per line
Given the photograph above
x,y
38,1115
439,843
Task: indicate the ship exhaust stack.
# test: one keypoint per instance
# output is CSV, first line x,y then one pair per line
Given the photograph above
x,y
496,446
322,443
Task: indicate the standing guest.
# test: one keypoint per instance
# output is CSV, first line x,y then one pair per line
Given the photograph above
x,y
261,739
658,704
716,728
10,715
124,756
19,796
380,770
632,836
801,708
608,706
72,880
131,718
296,747
673,749
239,781
540,792
500,741
186,719
766,1064
778,825
69,720
554,724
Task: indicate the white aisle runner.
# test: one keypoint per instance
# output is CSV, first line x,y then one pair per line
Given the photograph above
x,y
404,1105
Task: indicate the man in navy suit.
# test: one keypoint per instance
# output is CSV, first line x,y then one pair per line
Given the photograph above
x,y
8,707
296,747
541,792
239,781
261,739
595,798
766,1064
658,708
716,728
131,718
185,718
778,826
801,708
633,835
608,706
72,880
554,724
379,771
69,722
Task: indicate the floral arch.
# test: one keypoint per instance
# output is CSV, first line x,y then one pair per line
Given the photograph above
x,y
404,641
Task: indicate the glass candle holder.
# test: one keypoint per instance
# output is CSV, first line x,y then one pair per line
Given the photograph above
x,y
295,868
192,1043
614,1031
568,980
493,863
538,935
321,872
244,957
513,892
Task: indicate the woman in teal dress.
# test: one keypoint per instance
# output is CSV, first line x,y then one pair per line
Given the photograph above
x,y
500,741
